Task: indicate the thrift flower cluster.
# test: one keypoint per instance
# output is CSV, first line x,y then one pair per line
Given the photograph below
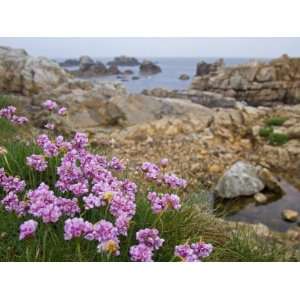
x,y
52,106
90,182
9,114
153,172
194,252
149,241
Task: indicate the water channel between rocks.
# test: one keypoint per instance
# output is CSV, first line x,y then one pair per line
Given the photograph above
x,y
247,210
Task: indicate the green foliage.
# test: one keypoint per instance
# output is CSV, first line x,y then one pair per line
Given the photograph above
x,y
277,139
245,246
265,131
274,138
276,121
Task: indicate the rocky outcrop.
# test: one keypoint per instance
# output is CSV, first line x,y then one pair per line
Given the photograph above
x,y
26,75
204,68
137,109
124,61
149,68
204,98
256,83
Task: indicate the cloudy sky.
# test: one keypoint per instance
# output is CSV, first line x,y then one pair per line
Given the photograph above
x,y
156,47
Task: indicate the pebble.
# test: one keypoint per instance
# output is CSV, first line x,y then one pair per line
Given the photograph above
x,y
260,198
290,215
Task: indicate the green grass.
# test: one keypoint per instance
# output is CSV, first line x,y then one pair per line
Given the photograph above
x,y
278,139
276,121
265,131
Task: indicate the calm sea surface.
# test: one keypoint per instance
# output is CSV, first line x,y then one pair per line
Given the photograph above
x,y
172,68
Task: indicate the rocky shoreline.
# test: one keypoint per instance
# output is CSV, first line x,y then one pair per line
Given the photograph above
x,y
204,129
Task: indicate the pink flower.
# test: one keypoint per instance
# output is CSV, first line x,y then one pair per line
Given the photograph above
x,y
9,114
11,203
50,126
173,181
141,253
37,162
76,227
164,162
160,203
194,252
27,229
150,238
150,170
50,105
62,111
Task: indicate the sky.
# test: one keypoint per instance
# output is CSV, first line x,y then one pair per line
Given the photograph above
x,y
156,47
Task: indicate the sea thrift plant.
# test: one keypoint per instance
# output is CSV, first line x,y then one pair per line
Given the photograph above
x,y
92,198
9,114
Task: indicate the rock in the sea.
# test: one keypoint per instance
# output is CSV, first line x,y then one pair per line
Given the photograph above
x,y
113,70
71,62
290,215
128,72
260,198
85,61
184,77
91,69
135,77
124,61
149,68
240,180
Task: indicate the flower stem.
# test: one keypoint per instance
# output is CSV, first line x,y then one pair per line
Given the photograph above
x,y
78,249
45,242
8,166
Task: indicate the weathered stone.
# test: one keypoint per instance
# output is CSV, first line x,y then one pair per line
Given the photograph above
x,y
140,108
260,198
290,215
240,180
269,180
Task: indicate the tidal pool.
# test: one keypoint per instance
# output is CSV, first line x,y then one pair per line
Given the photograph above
x,y
247,210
